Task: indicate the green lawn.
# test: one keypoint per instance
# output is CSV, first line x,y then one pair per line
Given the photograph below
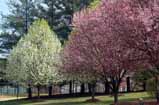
x,y
104,100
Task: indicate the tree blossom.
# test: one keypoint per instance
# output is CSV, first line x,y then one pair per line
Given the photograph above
x,y
96,48
33,61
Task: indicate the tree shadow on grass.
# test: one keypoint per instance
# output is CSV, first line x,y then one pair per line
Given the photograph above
x,y
40,102
64,101
109,102
20,102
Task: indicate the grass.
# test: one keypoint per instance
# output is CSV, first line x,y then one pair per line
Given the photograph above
x,y
104,100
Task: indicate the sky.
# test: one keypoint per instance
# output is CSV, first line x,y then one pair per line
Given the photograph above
x,y
3,7
4,10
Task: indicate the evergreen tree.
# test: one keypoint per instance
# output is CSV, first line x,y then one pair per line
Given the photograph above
x,y
2,69
22,14
58,13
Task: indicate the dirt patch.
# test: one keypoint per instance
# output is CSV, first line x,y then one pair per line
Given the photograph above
x,y
118,95
152,102
95,100
5,97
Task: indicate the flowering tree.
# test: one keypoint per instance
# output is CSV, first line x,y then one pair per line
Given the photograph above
x,y
145,39
35,58
77,64
98,45
136,24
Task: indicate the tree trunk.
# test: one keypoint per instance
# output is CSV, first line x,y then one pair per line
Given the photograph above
x,y
76,88
50,90
73,87
70,87
128,84
116,85
38,89
93,91
29,90
17,92
157,89
115,98
89,88
144,85
106,84
82,88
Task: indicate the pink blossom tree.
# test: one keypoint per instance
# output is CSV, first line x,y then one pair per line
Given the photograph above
x,y
145,39
97,46
78,63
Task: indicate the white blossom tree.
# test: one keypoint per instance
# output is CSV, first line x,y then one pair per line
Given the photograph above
x,y
35,58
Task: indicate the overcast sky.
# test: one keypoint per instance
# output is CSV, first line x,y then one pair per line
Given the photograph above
x,y
3,7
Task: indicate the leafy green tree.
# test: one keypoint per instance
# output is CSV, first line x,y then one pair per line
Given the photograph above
x,y
152,87
35,58
141,78
94,4
147,78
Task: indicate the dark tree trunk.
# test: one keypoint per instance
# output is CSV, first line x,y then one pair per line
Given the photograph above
x,y
116,84
128,84
29,90
70,87
106,84
93,86
89,88
76,89
73,87
115,98
115,93
157,89
50,90
144,86
17,92
60,89
157,96
38,89
82,88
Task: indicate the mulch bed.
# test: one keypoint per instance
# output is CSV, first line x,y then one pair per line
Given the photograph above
x,y
95,100
137,103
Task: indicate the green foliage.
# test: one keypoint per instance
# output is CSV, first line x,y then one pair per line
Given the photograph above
x,y
35,58
58,13
151,87
60,21
14,23
142,76
8,41
94,4
146,76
